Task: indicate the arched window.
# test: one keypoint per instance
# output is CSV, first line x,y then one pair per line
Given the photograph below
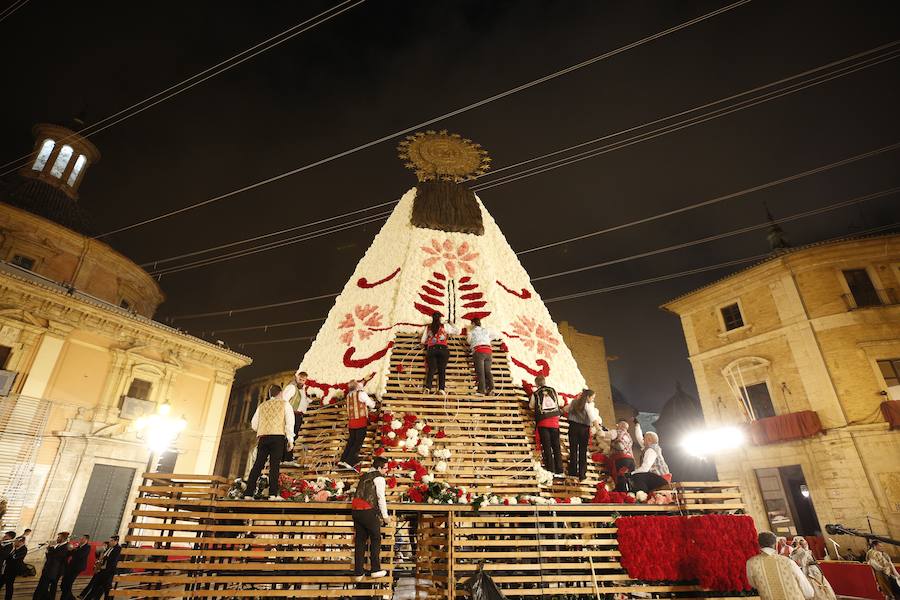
x,y
79,164
748,379
62,160
44,154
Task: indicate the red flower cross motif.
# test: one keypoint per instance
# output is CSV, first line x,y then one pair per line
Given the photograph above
x,y
454,257
358,322
534,336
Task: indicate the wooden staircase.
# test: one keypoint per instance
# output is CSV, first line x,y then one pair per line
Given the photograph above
x,y
491,437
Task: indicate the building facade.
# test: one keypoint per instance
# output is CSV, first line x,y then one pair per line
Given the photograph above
x,y
590,355
804,350
81,359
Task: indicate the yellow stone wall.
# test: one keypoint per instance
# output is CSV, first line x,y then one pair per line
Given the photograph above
x,y
78,358
820,353
590,356
65,256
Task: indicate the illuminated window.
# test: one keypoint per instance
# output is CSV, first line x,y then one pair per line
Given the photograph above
x,y
79,164
45,152
62,160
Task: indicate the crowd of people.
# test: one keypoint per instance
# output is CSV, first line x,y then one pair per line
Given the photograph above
x,y
64,561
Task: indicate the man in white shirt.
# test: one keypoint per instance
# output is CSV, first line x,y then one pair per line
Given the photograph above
x,y
273,422
300,404
776,577
653,472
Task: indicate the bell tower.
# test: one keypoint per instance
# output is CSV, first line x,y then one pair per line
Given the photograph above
x,y
61,157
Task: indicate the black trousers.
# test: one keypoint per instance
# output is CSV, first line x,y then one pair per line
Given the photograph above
x,y
354,445
623,484
8,581
367,532
550,452
269,447
646,482
65,588
298,423
437,357
46,587
98,586
579,435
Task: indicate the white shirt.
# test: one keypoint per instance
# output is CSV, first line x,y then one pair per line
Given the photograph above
x,y
802,581
649,454
448,328
482,336
288,421
379,489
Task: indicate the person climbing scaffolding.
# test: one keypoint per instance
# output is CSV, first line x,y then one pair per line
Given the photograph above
x,y
435,338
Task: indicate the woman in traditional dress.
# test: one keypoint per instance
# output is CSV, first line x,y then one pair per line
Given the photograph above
x,y
886,575
804,558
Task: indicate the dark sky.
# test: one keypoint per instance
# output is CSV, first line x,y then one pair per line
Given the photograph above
x,y
384,66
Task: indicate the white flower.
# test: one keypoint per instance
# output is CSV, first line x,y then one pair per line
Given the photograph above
x,y
412,474
424,451
440,467
575,500
420,425
410,444
412,433
561,402
396,424
391,434
340,486
551,501
431,501
427,441
428,478
494,499
641,496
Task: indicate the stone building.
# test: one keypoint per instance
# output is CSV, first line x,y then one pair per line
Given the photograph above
x,y
804,348
590,354
81,358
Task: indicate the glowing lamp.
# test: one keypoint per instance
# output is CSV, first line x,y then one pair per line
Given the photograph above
x,y
159,430
804,491
705,442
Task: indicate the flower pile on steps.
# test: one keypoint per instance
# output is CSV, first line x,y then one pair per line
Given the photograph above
x,y
409,433
603,495
322,489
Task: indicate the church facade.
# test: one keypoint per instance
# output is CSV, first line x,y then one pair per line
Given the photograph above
x,y
803,350
81,360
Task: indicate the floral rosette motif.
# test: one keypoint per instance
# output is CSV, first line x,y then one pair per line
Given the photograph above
x,y
454,258
358,322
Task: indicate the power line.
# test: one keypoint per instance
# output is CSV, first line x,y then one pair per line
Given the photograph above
x,y
719,199
719,236
453,113
9,10
671,128
696,242
234,311
213,71
877,49
278,341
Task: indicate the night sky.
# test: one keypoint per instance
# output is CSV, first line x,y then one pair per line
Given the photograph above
x,y
384,66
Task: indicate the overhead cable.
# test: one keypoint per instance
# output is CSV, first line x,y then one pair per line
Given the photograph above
x,y
431,121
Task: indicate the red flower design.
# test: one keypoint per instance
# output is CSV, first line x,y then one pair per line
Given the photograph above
x,y
379,451
391,482
440,434
454,257
535,337
358,322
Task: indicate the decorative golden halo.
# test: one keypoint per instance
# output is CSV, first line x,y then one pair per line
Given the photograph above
x,y
442,156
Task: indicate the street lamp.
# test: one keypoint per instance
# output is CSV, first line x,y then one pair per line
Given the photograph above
x,y
709,442
159,431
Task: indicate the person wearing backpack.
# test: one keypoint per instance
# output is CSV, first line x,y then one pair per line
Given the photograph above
x,y
437,352
545,405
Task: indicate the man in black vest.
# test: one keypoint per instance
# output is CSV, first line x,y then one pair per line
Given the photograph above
x,y
104,571
13,563
78,559
57,554
369,514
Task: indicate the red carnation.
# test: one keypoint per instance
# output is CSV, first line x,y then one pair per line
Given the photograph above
x,y
426,430
386,428
379,451
440,434
387,417
415,495
393,464
459,493
410,418
598,457
522,500
286,494
506,501
392,482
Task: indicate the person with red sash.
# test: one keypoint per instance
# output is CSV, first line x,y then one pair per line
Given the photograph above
x,y
358,405
545,405
480,339
437,353
369,515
